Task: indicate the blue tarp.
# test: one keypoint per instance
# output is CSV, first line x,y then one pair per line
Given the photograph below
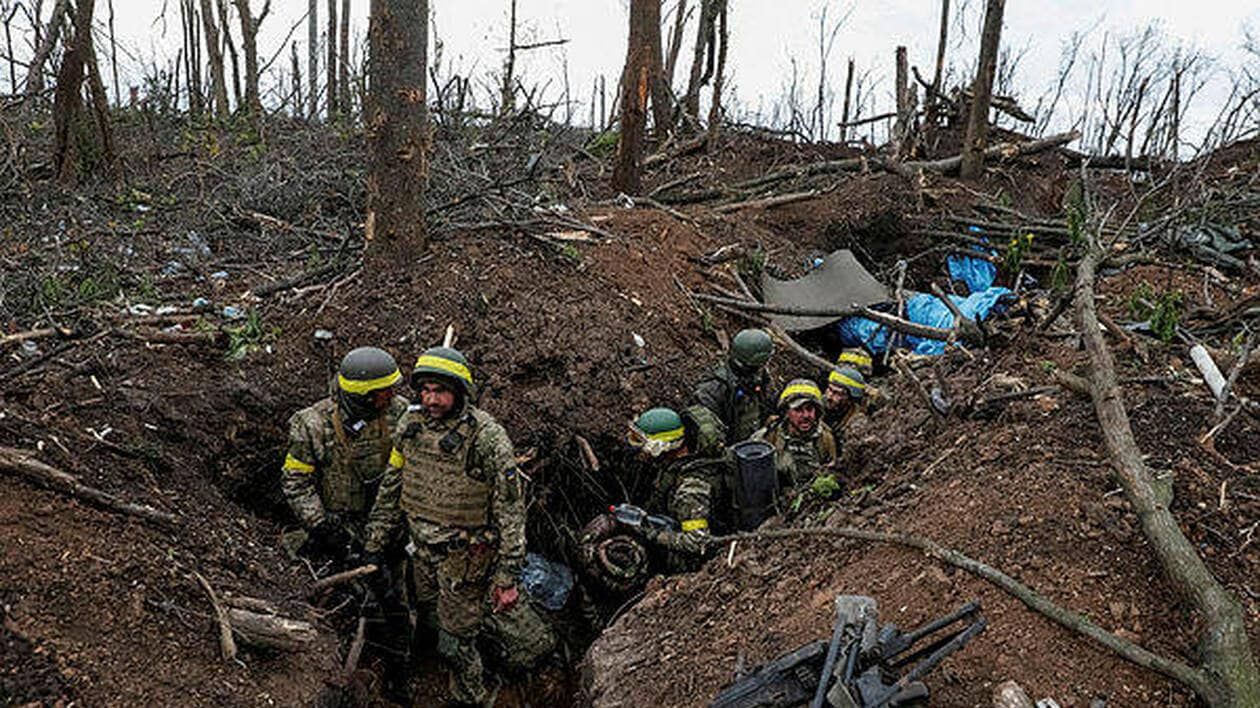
x,y
923,309
977,273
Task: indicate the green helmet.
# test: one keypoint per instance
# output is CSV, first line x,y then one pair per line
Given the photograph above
x,y
445,365
657,431
751,348
851,380
367,369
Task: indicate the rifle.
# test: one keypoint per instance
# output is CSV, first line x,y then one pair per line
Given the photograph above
x,y
864,665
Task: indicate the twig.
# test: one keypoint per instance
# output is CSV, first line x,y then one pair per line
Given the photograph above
x,y
891,321
768,202
226,643
341,578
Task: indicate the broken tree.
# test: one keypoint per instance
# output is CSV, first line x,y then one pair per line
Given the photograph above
x,y
641,75
982,91
397,123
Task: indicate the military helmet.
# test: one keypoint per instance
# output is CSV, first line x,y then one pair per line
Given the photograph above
x,y
856,359
657,431
798,392
366,370
445,365
751,348
851,380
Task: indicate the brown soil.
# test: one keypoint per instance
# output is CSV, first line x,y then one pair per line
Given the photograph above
x,y
102,609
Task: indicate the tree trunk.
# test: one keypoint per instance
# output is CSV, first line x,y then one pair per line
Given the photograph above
x,y
230,46
249,43
35,74
192,55
312,58
343,65
982,92
82,139
703,48
848,98
298,105
218,83
931,104
113,55
901,128
1227,659
715,105
331,88
397,125
507,99
675,41
662,106
636,84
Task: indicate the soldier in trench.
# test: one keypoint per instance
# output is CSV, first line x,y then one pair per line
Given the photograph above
x,y
737,389
452,482
804,445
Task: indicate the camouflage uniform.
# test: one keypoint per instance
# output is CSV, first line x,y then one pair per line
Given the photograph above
x,y
798,459
329,470
455,483
739,403
695,490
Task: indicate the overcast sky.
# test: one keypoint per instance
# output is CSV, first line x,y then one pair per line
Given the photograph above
x,y
766,35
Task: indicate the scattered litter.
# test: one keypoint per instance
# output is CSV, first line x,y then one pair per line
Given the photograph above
x,y
323,335
174,328
172,268
30,349
200,303
219,275
232,312
140,309
166,310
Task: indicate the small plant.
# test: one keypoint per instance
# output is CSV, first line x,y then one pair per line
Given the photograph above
x,y
825,486
1016,250
1060,275
247,337
604,144
571,252
1076,212
752,265
1163,310
1048,366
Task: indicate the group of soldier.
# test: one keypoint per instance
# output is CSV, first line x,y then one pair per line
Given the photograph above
x,y
431,495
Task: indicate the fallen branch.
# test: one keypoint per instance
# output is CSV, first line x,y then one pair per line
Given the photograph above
x,y
31,334
891,321
1003,151
1074,621
226,643
161,337
271,631
768,202
292,282
970,329
24,463
1229,676
332,581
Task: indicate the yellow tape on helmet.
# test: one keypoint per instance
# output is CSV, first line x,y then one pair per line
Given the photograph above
x,y
453,368
361,387
800,389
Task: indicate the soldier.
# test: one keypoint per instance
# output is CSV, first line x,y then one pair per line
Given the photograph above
x,y
737,389
692,482
804,446
846,394
337,450
856,359
452,479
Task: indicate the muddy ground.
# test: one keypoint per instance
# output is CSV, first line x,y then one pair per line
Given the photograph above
x,y
102,609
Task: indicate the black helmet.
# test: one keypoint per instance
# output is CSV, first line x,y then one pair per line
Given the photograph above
x,y
363,372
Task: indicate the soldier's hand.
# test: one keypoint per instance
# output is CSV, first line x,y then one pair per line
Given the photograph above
x,y
504,598
383,583
331,538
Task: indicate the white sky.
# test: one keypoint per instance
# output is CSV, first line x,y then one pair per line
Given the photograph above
x,y
765,36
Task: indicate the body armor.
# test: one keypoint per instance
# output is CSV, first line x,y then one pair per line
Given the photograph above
x,y
438,485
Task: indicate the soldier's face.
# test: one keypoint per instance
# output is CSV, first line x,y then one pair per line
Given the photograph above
x,y
381,398
437,399
837,397
803,418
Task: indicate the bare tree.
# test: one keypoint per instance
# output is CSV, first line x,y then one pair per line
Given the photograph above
x,y
397,124
982,91
218,82
230,46
681,13
343,64
82,137
702,58
296,70
113,55
44,47
249,42
636,86
719,75
330,89
312,57
192,54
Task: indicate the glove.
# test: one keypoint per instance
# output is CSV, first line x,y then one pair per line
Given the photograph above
x,y
330,538
504,598
382,582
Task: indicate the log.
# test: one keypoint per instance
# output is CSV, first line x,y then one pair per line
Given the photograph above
x,y
271,631
24,336
1229,676
768,202
1005,151
23,463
